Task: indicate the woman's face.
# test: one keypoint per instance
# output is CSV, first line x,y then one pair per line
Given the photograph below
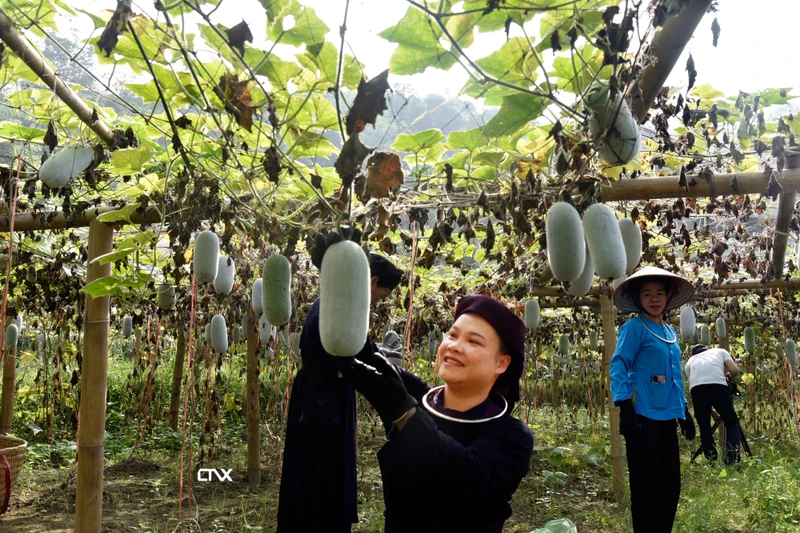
x,y
653,297
470,354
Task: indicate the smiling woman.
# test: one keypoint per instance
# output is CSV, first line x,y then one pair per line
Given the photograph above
x,y
462,448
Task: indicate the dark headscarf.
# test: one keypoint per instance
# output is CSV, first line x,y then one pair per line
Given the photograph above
x,y
388,275
511,329
698,348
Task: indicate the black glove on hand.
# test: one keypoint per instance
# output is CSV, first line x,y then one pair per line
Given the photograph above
x,y
687,426
380,384
321,243
628,422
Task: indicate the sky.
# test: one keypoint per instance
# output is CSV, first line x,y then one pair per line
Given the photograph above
x,y
755,51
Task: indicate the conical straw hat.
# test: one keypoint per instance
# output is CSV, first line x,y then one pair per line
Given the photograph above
x,y
683,289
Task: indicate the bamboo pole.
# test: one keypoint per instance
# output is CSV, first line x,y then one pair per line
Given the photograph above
x,y
9,388
253,401
177,378
617,452
92,412
786,201
59,220
664,52
38,64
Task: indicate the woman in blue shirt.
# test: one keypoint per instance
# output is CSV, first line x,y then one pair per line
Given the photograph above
x,y
646,364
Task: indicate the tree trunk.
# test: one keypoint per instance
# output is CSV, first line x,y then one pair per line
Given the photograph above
x,y
253,402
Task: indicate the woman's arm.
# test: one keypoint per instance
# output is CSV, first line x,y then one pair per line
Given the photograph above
x,y
622,362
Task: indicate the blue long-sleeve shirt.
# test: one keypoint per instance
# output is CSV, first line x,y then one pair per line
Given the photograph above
x,y
649,366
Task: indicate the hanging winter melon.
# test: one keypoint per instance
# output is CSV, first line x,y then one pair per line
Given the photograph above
x,y
257,298
566,251
613,126
605,241
593,340
722,330
206,256
563,345
749,340
532,313
344,299
219,334
632,240
207,335
18,322
127,326
705,335
237,334
791,352
688,329
582,285
12,334
223,283
62,167
166,296
276,289
264,329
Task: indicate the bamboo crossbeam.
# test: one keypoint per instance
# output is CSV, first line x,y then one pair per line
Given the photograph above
x,y
59,220
719,185
665,50
714,291
37,63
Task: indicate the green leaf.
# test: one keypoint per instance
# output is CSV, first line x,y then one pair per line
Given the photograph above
x,y
289,22
773,96
707,92
140,239
419,46
468,140
120,215
111,257
18,131
130,160
517,110
419,141
146,91
106,286
279,72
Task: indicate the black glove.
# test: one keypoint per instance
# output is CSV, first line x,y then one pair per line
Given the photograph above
x,y
380,384
390,354
628,421
687,425
321,243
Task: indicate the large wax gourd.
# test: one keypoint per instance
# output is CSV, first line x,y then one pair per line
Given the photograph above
x,y
687,324
127,326
705,335
219,334
749,340
223,283
62,167
632,239
257,299
605,241
276,289
563,345
613,126
791,352
722,330
12,334
166,296
532,313
582,285
566,251
344,299
206,256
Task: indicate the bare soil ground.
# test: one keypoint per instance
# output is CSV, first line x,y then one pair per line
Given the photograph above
x,y
140,494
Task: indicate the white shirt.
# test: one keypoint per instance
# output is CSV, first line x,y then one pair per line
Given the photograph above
x,y
707,368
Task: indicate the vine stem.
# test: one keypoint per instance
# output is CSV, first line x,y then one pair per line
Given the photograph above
x,y
342,31
175,135
485,77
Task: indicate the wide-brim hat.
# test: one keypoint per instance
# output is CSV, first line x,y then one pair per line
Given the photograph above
x,y
683,290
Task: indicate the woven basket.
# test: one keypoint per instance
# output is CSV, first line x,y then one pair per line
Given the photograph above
x,y
12,451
